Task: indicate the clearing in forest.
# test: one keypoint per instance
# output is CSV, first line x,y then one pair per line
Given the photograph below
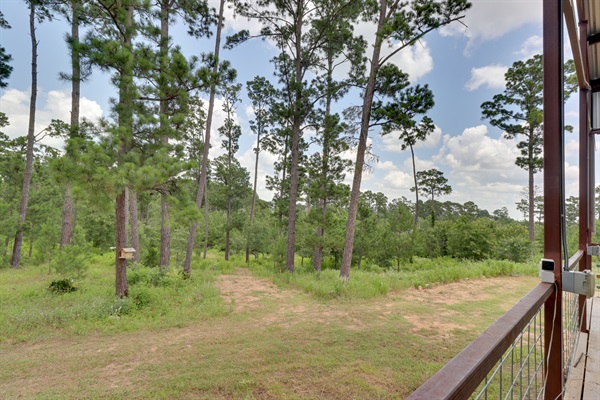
x,y
276,343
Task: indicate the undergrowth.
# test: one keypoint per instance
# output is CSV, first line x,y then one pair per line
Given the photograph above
x,y
157,299
373,281
163,298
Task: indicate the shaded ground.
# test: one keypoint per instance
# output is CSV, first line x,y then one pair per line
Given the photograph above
x,y
276,344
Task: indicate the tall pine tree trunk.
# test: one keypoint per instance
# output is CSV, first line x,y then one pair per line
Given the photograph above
x,y
121,242
202,185
253,206
296,132
125,117
412,153
133,223
283,178
15,261
205,225
362,148
68,218
228,228
318,250
531,190
165,222
165,233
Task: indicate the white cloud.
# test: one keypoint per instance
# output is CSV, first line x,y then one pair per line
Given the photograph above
x,y
391,143
55,104
491,76
398,180
387,166
482,169
266,161
235,23
432,141
531,46
420,164
488,20
416,61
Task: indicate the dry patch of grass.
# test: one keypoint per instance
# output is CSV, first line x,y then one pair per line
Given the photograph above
x,y
275,344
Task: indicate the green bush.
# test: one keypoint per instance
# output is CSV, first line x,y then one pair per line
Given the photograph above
x,y
471,239
71,262
513,243
61,286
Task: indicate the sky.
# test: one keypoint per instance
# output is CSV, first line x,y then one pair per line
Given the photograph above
x,y
463,64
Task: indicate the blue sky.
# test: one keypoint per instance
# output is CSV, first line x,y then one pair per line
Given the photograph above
x,y
464,67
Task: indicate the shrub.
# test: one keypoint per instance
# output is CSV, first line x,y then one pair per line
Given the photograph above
x,y
61,286
70,262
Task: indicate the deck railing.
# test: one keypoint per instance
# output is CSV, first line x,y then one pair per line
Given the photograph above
x,y
572,321
507,360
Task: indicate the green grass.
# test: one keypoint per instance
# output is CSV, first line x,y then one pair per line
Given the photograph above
x,y
30,311
177,338
366,284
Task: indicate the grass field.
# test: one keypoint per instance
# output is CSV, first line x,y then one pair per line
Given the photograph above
x,y
229,333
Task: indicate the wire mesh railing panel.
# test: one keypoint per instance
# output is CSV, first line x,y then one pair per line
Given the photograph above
x,y
571,328
520,372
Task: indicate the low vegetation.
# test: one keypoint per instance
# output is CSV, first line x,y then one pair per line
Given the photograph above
x,y
291,336
37,304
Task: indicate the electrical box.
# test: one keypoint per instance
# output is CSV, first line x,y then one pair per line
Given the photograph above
x,y
546,268
580,282
126,253
593,250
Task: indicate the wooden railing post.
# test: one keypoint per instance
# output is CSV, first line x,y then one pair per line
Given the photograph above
x,y
585,211
553,191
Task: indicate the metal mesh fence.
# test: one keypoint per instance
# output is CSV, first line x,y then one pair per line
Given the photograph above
x,y
520,372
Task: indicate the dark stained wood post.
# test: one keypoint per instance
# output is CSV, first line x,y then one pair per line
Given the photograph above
x,y
553,177
585,185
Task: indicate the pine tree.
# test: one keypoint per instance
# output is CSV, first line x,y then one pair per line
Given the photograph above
x,y
261,93
37,12
299,31
5,67
227,168
221,74
403,24
432,183
518,112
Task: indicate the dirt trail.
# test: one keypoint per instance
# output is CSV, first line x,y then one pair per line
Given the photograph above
x,y
247,293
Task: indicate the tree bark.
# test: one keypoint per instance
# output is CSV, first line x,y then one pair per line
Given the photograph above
x,y
318,250
228,229
412,153
362,147
133,223
530,173
68,219
165,222
202,185
283,177
205,250
165,233
121,242
253,206
296,121
125,123
15,261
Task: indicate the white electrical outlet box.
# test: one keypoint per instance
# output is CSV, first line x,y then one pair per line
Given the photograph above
x,y
546,268
593,250
580,282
